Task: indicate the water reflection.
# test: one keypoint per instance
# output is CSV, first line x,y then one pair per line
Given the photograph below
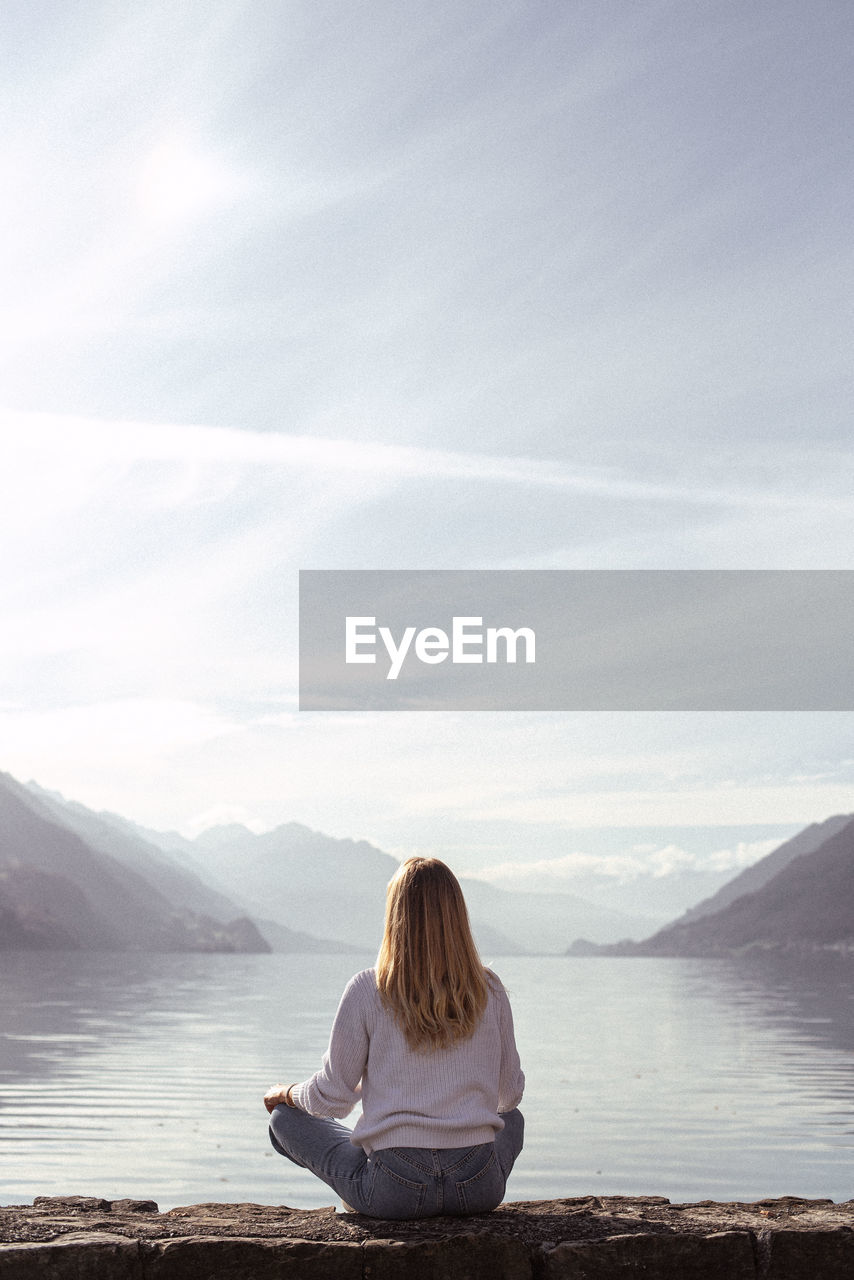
x,y
142,1075
811,995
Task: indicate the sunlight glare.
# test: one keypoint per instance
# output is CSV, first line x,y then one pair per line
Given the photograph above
x,y
178,182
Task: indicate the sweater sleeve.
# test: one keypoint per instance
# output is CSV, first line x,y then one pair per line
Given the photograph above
x,y
511,1078
334,1090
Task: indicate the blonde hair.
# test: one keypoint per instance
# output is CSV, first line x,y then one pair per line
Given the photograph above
x,y
429,973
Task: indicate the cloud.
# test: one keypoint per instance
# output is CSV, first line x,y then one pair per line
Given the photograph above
x,y
47,444
648,862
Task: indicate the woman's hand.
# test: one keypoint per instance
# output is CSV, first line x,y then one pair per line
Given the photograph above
x,y
276,1096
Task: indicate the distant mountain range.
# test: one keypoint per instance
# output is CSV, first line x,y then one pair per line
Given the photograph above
x,y
336,888
72,878
799,897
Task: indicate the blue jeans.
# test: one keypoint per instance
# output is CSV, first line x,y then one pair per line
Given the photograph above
x,y
400,1182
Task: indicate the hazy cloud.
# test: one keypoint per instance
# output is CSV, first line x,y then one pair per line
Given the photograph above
x,y
646,862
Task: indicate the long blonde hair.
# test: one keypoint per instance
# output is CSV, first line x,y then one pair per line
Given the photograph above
x,y
429,973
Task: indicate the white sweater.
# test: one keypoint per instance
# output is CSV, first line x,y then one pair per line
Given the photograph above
x,y
440,1098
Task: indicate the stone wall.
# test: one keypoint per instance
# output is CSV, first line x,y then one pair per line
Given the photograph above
x,y
584,1238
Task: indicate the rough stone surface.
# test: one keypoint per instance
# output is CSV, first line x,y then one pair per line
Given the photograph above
x,y
236,1257
809,1255
472,1256
581,1238
78,1255
727,1254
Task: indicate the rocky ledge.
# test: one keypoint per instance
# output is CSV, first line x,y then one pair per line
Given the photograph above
x,y
584,1238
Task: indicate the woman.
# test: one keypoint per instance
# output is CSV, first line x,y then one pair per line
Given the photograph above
x,y
425,1042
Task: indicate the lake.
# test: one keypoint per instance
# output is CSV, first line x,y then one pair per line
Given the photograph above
x,y
142,1075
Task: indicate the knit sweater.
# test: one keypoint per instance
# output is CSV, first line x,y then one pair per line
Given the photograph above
x,y
440,1098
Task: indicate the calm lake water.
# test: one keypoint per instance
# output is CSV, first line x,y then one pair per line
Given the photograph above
x,y
139,1075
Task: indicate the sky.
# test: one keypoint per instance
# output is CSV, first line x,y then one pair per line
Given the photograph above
x,y
472,285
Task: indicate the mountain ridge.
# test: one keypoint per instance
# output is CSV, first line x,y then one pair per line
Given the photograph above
x,y
57,891
807,904
73,877
271,872
759,873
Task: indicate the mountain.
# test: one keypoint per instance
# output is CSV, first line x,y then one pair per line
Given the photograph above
x,y
650,900
539,922
336,887
108,834
293,877
288,941
757,875
171,863
808,904
70,877
58,891
302,879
